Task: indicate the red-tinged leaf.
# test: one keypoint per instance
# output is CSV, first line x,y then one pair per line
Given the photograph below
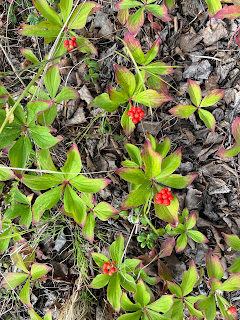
x,y
194,92
123,15
174,289
126,122
156,83
208,305
118,97
135,21
104,211
232,283
213,6
170,163
100,281
215,284
168,213
38,270
182,111
137,197
167,247
232,240
134,47
125,79
181,242
158,11
135,176
158,68
207,118
164,272
126,4
88,230
229,12
191,220
235,267
223,153
152,53
13,279
237,40
197,236
177,181
189,279
103,101
152,160
151,98
213,97
17,259
236,130
214,266
24,294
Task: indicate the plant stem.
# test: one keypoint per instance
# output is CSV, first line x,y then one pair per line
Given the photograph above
x,y
147,219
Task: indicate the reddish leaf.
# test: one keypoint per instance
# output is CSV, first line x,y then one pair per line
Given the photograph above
x,y
167,247
163,271
230,12
151,98
158,11
134,47
125,78
135,21
152,53
152,160
182,111
213,6
194,92
191,220
123,16
213,97
236,130
214,266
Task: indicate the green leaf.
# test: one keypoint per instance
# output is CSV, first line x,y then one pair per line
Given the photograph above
x,y
73,163
135,153
208,306
212,98
135,21
127,304
34,315
65,7
207,118
4,243
67,94
114,291
235,267
126,122
13,279
79,16
214,266
116,250
191,220
192,310
129,265
141,295
29,55
99,258
213,6
100,281
103,101
151,98
152,160
168,213
189,279
127,281
152,53
162,305
83,184
33,108
42,136
46,162
48,315
75,205
158,68
118,97
174,289
232,283
182,111
137,197
42,29
126,4
89,226
224,306
52,80
48,12
38,270
134,47
24,294
6,174
232,240
177,310
181,242
17,260
158,11
170,163
19,153
197,236
214,284
104,211
194,92
125,79
177,181
41,182
46,201
26,218
163,147
135,176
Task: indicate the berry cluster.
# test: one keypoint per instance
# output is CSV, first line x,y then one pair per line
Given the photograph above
x,y
108,268
136,114
70,44
164,197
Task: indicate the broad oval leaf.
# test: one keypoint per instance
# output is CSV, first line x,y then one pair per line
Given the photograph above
x,y
168,213
48,12
75,205
134,153
99,258
152,53
127,304
125,79
159,11
52,80
133,45
232,240
197,236
229,12
137,197
135,21
189,279
182,111
38,270
24,294
194,92
116,250
135,176
177,181
181,242
162,305
232,283
170,163
214,266
13,279
79,16
100,281
84,184
158,68
236,130
151,98
73,163
104,211
114,291
207,118
141,295
212,98
88,230
152,160
213,6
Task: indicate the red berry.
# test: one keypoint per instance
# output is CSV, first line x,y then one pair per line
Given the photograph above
x,y
140,118
108,266
135,120
114,263
142,114
232,310
105,271
170,198
166,202
110,273
139,110
66,42
169,193
166,189
65,46
112,270
133,109
165,196
130,114
105,265
73,39
75,44
136,115
71,42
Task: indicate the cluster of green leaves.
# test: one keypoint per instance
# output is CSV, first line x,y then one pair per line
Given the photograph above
x,y
184,111
148,172
51,27
147,239
93,67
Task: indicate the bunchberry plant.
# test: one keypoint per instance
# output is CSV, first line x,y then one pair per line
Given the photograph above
x,y
70,44
136,20
93,67
234,242
149,172
207,304
13,279
143,308
132,93
235,149
51,27
119,277
52,82
184,111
